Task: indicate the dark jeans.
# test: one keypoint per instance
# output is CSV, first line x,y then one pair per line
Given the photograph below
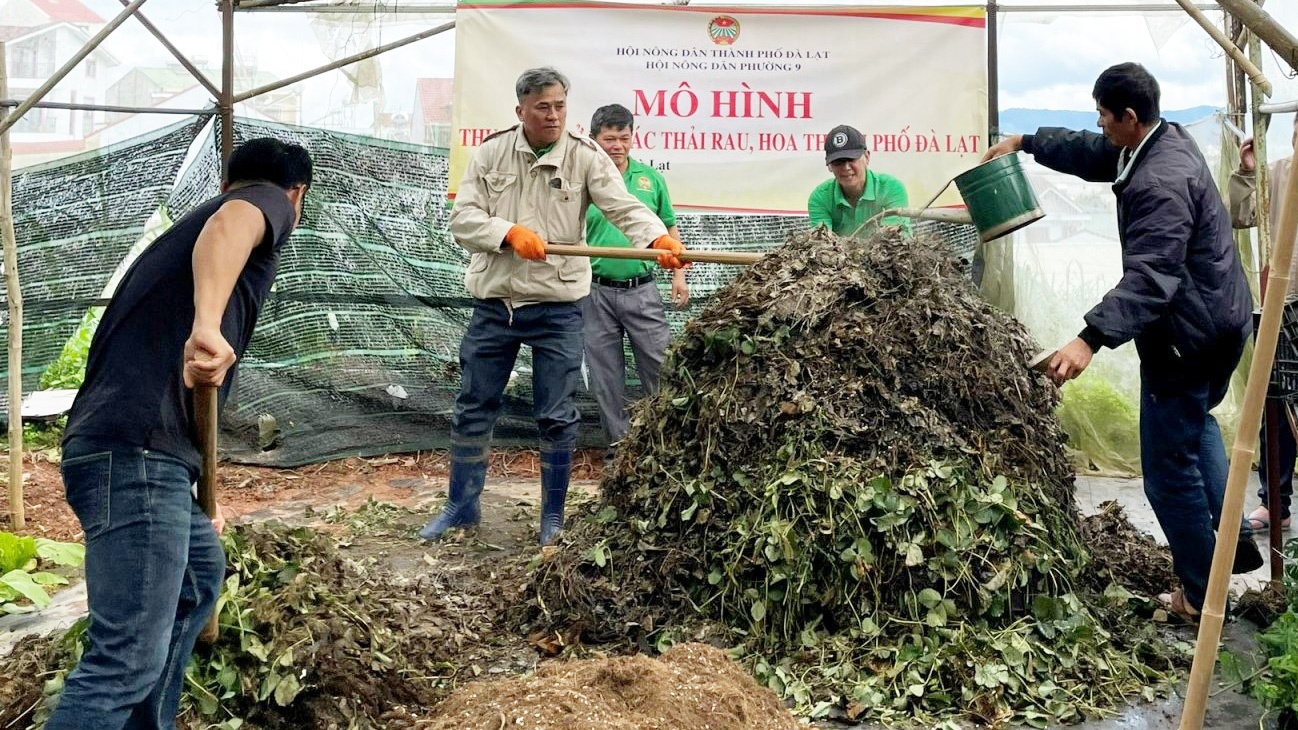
x,y
1288,453
1184,464
487,354
154,569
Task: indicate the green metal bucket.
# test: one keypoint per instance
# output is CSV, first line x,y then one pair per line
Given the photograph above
x,y
998,197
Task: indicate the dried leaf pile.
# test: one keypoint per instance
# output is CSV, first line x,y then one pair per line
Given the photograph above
x,y
692,686
849,466
1124,555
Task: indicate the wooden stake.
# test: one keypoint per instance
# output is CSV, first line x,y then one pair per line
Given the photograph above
x,y
15,294
1241,460
206,418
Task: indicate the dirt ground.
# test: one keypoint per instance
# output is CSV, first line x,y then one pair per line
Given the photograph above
x,y
253,493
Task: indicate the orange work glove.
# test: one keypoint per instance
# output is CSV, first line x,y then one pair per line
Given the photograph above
x,y
526,243
673,248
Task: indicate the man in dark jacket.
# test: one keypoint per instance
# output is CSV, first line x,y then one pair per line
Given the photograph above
x,y
1183,298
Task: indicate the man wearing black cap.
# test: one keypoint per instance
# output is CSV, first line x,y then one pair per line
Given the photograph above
x,y
857,193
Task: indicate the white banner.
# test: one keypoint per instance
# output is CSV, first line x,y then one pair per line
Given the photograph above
x,y
732,104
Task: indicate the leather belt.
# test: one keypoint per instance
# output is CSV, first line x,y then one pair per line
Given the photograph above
x,y
640,280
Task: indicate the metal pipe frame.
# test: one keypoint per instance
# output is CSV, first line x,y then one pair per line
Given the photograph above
x,y
107,108
175,52
53,81
1103,8
356,9
225,101
241,4
1279,107
340,62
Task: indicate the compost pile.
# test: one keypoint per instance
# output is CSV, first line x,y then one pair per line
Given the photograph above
x,y
309,638
1123,555
851,470
691,686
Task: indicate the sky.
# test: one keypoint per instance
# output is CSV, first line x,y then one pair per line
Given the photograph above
x,y
1047,60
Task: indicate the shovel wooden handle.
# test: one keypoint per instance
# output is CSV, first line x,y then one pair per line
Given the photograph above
x,y
650,254
205,416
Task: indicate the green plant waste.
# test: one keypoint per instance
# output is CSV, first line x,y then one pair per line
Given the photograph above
x,y
850,470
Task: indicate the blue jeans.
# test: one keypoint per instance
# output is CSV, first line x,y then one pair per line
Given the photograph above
x,y
154,569
1184,464
487,354
1288,454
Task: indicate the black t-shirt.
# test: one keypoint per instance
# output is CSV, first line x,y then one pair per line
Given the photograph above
x,y
134,391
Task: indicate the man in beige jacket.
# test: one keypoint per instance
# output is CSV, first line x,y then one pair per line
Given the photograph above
x,y
528,185
1243,214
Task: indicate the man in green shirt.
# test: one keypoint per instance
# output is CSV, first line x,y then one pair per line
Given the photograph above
x,y
857,193
624,299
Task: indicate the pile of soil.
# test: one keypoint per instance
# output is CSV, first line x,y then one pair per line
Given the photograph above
x,y
849,465
692,686
1122,554
1263,605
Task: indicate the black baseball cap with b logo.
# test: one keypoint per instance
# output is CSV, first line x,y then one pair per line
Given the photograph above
x,y
843,143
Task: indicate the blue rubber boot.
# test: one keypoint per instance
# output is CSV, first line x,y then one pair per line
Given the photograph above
x,y
468,474
556,470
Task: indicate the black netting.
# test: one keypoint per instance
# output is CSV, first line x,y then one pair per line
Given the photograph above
x,y
356,349
74,221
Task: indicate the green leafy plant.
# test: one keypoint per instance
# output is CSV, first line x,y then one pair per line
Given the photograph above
x,y
70,368
24,587
1275,682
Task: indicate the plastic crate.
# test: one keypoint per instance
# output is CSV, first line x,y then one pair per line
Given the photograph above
x,y
1284,372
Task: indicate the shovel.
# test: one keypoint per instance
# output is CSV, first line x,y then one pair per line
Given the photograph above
x,y
1041,360
205,416
651,254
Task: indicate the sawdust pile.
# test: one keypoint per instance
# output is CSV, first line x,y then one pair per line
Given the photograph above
x,y
691,687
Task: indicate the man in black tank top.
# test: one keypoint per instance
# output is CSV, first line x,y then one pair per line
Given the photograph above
x,y
181,317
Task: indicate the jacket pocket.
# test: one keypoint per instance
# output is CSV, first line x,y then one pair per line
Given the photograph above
x,y
565,206
87,482
572,268
498,185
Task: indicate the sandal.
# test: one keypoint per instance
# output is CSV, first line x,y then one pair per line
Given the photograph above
x,y
1259,520
1176,605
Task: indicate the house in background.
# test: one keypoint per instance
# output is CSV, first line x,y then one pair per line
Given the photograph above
x,y
431,122
156,86
39,37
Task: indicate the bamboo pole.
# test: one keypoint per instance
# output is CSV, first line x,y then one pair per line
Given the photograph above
x,y
650,254
1273,411
1227,45
1261,24
67,67
1213,614
14,292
